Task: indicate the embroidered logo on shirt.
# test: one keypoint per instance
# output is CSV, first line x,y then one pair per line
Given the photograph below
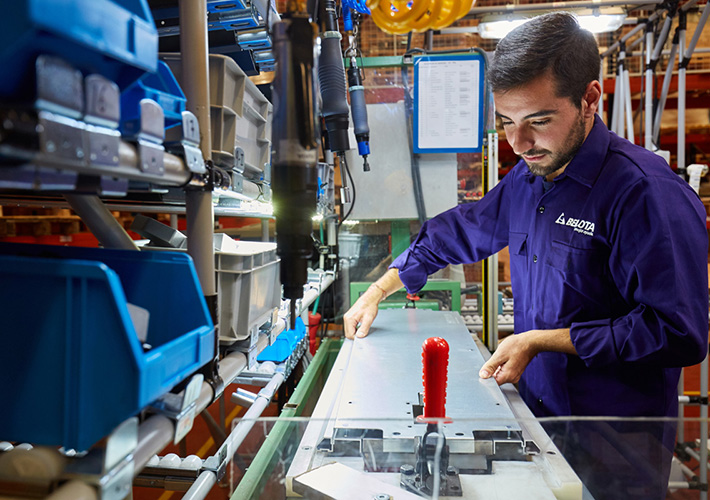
x,y
579,225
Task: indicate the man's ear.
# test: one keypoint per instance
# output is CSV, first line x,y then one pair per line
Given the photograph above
x,y
590,99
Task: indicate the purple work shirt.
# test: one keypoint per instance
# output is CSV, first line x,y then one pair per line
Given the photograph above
x,y
615,250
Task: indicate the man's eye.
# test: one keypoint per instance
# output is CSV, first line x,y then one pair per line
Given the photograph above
x,y
505,124
540,123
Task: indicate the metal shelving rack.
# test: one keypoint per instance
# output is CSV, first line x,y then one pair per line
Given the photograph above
x,y
107,471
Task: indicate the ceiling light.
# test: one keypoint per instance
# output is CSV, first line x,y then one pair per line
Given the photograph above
x,y
594,20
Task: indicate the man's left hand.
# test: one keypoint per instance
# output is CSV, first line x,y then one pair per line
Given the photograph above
x,y
515,352
508,362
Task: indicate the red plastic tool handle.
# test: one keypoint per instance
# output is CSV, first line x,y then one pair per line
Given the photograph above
x,y
436,363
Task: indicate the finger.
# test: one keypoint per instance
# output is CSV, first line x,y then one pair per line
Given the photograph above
x,y
350,325
489,367
365,325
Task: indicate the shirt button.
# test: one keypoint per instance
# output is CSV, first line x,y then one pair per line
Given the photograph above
x,y
534,258
539,401
541,210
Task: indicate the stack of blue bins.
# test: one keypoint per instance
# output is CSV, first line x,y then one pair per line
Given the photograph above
x,y
72,363
284,344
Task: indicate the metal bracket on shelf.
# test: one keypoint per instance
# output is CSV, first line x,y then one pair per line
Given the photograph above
x,y
102,115
150,138
181,407
109,468
184,140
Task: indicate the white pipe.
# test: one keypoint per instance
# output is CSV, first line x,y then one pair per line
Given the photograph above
x,y
681,106
616,109
704,420
694,454
201,487
662,38
240,432
687,471
664,93
698,30
74,490
629,112
100,221
648,109
687,6
631,33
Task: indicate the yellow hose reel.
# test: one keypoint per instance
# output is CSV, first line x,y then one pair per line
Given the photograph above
x,y
399,17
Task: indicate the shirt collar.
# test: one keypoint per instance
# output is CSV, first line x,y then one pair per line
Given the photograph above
x,y
587,163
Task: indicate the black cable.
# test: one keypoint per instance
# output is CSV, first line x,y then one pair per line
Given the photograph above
x,y
344,165
414,158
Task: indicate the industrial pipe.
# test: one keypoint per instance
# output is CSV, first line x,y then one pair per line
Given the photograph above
x,y
100,221
665,88
648,108
612,48
201,487
680,155
74,490
195,84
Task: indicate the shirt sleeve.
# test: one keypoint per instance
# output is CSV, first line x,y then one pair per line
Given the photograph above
x,y
467,233
658,262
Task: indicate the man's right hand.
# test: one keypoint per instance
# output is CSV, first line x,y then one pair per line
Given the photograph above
x,y
364,310
363,313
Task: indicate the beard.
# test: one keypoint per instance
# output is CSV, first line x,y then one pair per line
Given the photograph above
x,y
558,159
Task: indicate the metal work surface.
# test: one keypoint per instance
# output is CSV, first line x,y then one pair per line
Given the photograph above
x,y
388,364
364,420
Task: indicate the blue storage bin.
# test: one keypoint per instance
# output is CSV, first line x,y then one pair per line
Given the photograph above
x,y
284,344
72,365
163,88
116,39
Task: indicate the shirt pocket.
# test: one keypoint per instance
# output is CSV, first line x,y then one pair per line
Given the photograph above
x,y
517,243
569,259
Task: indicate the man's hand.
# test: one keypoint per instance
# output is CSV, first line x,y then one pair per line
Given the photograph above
x,y
515,352
363,313
364,310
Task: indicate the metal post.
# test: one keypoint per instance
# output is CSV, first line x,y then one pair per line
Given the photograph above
x,y
704,423
617,108
264,229
648,109
201,487
629,111
680,156
681,409
490,265
682,67
664,92
100,221
195,84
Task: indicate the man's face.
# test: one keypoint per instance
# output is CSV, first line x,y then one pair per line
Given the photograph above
x,y
542,128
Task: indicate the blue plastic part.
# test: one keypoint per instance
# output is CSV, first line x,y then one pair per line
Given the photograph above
x,y
237,18
347,19
224,5
116,39
163,88
72,362
284,344
363,148
358,5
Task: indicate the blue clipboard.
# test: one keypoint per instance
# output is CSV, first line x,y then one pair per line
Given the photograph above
x,y
448,103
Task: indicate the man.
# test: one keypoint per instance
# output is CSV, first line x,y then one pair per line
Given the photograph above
x,y
608,263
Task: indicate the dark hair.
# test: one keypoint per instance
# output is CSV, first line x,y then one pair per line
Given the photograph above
x,y
552,42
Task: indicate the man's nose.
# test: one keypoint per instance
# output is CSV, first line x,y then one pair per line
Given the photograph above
x,y
521,140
